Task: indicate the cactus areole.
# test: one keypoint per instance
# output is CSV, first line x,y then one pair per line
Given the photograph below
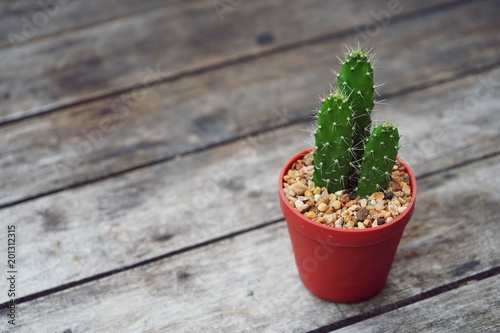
x,y
347,156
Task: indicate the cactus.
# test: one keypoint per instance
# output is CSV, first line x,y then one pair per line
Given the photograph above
x,y
341,160
355,79
333,139
378,159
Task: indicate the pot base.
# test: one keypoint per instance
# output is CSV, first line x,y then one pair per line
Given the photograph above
x,y
342,274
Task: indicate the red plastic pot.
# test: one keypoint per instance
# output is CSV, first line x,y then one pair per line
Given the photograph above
x,y
342,265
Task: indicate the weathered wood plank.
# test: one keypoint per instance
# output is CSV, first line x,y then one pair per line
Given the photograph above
x,y
24,21
149,212
87,142
452,217
178,38
472,308
249,282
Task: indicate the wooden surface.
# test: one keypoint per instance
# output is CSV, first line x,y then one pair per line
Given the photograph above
x,y
140,144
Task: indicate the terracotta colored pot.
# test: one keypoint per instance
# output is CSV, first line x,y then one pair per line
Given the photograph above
x,y
343,265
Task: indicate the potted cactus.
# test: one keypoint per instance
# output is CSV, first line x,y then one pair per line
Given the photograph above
x,y
348,199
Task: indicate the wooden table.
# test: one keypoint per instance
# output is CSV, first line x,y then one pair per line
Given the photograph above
x,y
140,144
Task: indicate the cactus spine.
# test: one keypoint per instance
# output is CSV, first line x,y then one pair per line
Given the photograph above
x,y
341,160
355,79
378,159
333,139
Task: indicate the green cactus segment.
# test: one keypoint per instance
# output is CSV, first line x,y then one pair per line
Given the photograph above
x,y
333,138
378,159
355,80
346,156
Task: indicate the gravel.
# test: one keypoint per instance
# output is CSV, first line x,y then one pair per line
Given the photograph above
x,y
344,209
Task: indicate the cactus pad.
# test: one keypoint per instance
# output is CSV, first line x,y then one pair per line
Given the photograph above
x,y
355,80
378,159
333,143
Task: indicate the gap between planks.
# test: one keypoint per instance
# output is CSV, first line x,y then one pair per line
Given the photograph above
x,y
89,279
242,59
254,133
409,301
51,34
449,280
107,157
483,121
349,321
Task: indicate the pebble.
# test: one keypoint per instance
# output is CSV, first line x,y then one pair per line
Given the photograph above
x,y
330,218
350,203
324,195
393,209
353,208
299,188
311,215
300,206
339,223
337,204
406,190
322,207
344,209
377,196
362,214
302,198
347,217
308,159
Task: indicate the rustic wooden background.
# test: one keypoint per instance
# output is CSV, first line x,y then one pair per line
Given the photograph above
x,y
140,143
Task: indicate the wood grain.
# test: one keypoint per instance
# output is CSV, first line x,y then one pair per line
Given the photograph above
x,y
94,140
249,282
169,206
471,308
24,21
167,220
179,38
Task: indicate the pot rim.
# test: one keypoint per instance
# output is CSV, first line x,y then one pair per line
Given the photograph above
x,y
349,233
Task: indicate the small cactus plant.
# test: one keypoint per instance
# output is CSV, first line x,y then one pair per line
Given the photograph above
x,y
355,79
347,156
